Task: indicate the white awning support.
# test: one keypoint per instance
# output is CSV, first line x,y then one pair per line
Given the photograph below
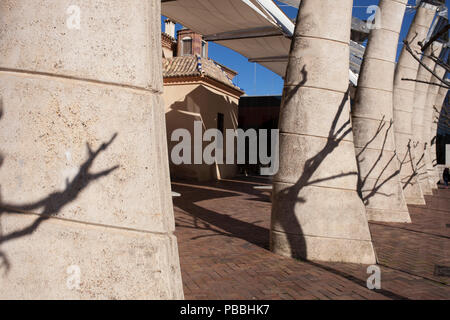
x,y
256,9
257,29
243,34
279,16
269,59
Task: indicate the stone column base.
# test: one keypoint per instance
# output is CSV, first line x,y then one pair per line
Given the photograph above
x,y
412,192
433,179
418,201
387,203
383,215
64,259
322,249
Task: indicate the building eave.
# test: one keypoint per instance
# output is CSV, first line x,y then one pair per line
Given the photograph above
x,y
202,79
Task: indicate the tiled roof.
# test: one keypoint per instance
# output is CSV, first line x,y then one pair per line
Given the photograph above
x,y
195,66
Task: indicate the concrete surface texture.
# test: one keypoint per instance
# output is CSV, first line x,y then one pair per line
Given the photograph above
x,y
420,97
428,119
372,118
407,67
316,212
86,204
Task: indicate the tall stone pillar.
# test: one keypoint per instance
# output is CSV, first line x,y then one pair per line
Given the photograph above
x,y
407,67
86,209
372,114
316,211
440,98
428,123
420,96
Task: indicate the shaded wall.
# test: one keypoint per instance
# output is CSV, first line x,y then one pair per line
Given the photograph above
x,y
258,112
187,103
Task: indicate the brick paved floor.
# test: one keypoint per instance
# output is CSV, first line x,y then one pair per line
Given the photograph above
x,y
223,233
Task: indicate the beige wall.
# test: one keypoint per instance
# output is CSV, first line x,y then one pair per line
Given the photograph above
x,y
167,53
186,103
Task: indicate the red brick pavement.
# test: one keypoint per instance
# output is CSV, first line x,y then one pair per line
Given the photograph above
x,y
223,239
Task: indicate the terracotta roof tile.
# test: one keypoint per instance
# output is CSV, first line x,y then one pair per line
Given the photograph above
x,y
194,66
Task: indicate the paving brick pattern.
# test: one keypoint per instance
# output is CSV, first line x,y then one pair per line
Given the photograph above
x,y
223,238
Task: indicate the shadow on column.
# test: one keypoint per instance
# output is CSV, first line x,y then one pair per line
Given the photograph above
x,y
362,180
53,203
284,202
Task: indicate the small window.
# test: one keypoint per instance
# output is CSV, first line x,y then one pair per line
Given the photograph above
x,y
186,48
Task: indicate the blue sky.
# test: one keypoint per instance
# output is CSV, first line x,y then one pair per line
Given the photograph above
x,y
257,80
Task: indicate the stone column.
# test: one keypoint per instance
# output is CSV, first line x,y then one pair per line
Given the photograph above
x,y
407,67
420,96
440,98
372,114
316,212
86,207
428,123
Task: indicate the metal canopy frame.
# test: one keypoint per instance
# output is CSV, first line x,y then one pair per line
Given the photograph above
x,y
278,16
269,59
278,24
244,34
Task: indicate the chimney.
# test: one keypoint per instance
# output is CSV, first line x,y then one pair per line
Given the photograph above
x,y
169,28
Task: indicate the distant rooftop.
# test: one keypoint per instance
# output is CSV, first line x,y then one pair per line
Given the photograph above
x,y
191,66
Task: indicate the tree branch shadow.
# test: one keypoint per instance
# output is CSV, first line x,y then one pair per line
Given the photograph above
x,y
295,237
53,203
379,182
408,158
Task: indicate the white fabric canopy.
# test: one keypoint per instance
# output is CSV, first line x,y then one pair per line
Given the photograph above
x,y
212,16
257,29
